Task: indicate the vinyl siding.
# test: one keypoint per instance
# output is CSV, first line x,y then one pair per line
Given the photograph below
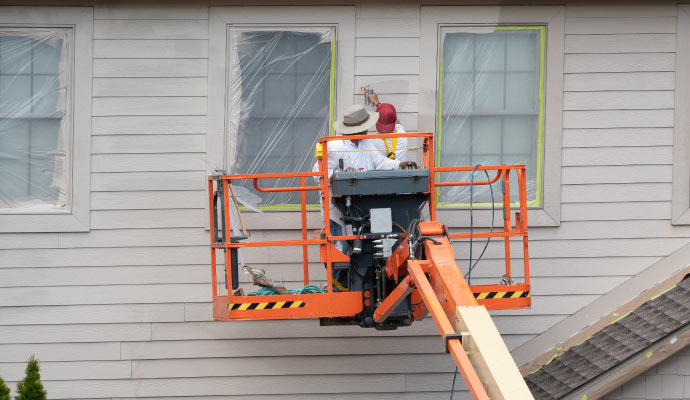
x,y
123,311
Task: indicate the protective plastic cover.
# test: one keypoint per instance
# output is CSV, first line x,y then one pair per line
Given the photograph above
x,y
491,102
35,123
280,103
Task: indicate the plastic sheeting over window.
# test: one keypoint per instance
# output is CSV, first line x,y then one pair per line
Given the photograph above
x,y
280,103
34,119
491,102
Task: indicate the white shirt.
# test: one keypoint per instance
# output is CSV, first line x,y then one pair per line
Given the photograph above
x,y
400,148
361,157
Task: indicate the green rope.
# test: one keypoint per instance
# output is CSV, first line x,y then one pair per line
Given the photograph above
x,y
268,291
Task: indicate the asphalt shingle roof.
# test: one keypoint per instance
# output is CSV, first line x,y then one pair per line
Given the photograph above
x,y
627,336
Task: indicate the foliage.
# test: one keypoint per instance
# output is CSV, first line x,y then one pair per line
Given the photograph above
x,y
4,391
31,388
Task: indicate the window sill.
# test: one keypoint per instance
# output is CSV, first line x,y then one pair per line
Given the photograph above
x,y
34,211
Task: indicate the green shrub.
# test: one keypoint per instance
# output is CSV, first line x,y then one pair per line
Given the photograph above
x,y
4,391
31,388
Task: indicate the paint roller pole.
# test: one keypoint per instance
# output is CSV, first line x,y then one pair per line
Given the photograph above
x,y
237,207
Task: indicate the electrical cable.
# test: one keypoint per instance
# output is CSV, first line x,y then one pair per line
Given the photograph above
x,y
340,286
363,276
400,227
411,226
468,275
412,236
452,388
488,239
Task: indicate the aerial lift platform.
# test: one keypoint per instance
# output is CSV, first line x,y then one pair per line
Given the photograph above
x,y
397,268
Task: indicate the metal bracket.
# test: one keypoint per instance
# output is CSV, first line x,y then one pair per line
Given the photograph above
x,y
451,336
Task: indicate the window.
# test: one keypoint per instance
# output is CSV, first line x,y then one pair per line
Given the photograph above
x,y
282,76
34,125
282,97
499,77
45,118
491,105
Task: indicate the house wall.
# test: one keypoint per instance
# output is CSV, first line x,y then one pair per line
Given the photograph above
x,y
123,311
668,380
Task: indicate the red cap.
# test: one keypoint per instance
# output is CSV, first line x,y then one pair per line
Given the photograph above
x,y
387,118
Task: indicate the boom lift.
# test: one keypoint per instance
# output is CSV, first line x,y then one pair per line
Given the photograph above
x,y
398,269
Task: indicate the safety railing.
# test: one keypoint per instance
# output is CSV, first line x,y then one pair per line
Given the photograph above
x,y
220,186
517,228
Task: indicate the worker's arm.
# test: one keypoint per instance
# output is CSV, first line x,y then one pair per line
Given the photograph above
x,y
382,162
331,168
315,168
374,99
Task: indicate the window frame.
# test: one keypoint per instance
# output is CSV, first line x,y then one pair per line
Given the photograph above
x,y
80,20
537,202
680,200
332,92
342,18
553,17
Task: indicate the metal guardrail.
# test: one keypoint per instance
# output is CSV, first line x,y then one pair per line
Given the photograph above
x,y
219,209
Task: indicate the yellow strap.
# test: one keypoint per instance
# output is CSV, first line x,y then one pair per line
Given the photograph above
x,y
391,152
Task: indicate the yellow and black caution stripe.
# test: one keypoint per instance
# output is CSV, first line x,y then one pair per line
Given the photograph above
x,y
274,305
501,295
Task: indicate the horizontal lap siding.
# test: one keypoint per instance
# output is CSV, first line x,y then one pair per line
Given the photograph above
x,y
387,57
119,311
618,135
148,147
618,107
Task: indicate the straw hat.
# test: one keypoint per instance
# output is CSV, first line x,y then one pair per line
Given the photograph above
x,y
355,120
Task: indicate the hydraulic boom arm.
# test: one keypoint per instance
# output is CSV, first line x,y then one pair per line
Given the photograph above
x,y
471,337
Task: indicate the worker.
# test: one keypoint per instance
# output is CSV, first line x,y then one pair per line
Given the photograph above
x,y
393,148
357,155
